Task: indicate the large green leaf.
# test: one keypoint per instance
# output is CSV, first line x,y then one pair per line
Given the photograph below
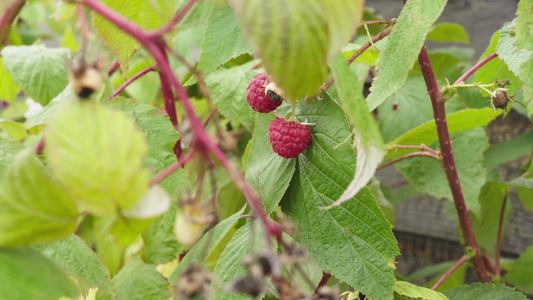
x,y
368,141
41,72
75,258
227,88
161,137
522,271
484,291
509,150
146,14
448,32
66,96
8,88
412,291
247,240
223,40
137,280
267,173
519,61
427,175
402,48
296,38
38,214
214,240
97,155
353,241
26,274
486,225
524,25
159,240
427,133
495,69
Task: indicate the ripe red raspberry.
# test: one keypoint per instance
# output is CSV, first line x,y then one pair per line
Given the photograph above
x,y
256,96
288,139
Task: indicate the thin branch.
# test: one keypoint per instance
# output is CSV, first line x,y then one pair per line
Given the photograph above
x,y
172,168
422,147
488,263
156,46
40,146
455,266
82,22
409,155
439,113
323,281
475,68
372,22
130,80
7,19
168,27
114,66
360,51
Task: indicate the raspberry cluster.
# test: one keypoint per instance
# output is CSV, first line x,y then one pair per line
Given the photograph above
x,y
288,138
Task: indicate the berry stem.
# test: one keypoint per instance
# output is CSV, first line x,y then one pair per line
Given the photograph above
x,y
156,46
178,17
475,68
412,154
130,80
455,266
9,15
360,51
439,113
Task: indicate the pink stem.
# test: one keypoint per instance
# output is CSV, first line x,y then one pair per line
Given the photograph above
x,y
156,46
475,68
114,67
172,168
499,238
132,79
8,17
168,27
455,266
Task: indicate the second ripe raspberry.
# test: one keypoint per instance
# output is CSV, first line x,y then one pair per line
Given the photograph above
x,y
288,139
256,96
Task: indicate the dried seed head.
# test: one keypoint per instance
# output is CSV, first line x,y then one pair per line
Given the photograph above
x,y
500,99
193,282
250,285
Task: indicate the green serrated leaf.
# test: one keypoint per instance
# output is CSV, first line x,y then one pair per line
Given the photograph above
x,y
15,130
402,48
412,291
509,150
247,240
356,231
26,274
227,88
159,240
8,151
41,72
137,280
267,173
41,213
484,291
8,88
66,96
524,25
147,14
368,141
160,136
97,154
212,240
427,133
485,226
68,40
448,32
75,258
223,40
427,175
519,61
296,44
522,271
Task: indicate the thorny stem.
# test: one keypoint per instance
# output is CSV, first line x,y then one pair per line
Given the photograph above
x,y
455,266
499,237
360,51
475,68
439,113
409,155
130,80
10,14
156,46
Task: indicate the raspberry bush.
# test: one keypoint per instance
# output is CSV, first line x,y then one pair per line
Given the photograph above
x,y
147,155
